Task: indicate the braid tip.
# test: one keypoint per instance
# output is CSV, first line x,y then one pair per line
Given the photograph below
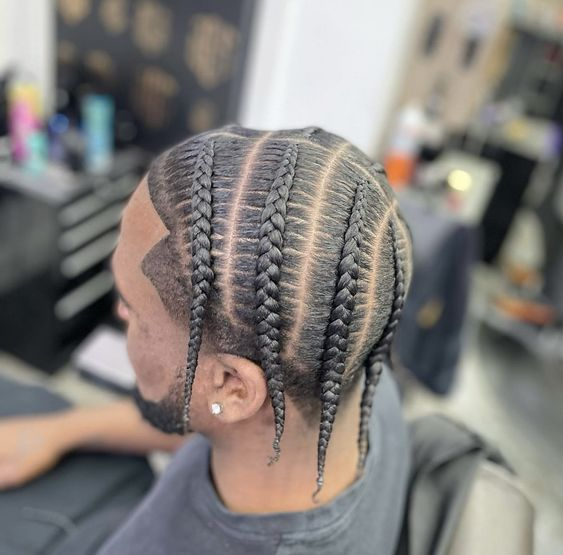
x,y
185,419
277,451
320,483
360,468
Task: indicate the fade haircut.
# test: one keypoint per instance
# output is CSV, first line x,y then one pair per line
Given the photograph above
x,y
286,248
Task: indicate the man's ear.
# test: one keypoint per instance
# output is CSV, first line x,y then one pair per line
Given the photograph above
x,y
239,385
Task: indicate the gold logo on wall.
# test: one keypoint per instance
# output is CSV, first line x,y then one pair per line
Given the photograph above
x,y
202,116
151,95
66,52
100,64
74,11
113,15
210,49
152,27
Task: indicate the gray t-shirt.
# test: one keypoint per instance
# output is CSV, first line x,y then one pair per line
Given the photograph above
x,y
183,514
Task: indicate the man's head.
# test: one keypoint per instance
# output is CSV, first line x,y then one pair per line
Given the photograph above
x,y
274,263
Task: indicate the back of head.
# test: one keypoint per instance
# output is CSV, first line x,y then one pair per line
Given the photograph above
x,y
286,248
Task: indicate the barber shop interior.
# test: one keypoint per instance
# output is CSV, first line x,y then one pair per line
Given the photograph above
x,y
281,277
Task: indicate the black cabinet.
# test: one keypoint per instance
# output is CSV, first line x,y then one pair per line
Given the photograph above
x,y
55,243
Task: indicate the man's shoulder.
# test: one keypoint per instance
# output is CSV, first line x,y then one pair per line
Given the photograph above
x,y
168,512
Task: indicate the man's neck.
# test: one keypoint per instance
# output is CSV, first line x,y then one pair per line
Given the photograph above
x,y
246,484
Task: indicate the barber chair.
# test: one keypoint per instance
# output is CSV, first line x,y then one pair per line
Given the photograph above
x,y
463,499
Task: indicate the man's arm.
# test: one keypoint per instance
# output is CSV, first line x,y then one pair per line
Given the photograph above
x,y
30,446
116,427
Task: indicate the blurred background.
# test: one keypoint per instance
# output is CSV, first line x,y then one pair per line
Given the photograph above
x,y
461,100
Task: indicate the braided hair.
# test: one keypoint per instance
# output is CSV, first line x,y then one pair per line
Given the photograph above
x,y
202,273
381,350
286,248
337,331
270,257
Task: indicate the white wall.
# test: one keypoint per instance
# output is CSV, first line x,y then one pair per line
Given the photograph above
x,y
6,40
27,32
332,63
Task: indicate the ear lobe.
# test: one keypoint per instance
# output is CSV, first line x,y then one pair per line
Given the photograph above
x,y
240,386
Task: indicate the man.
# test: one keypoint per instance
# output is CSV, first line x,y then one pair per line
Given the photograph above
x,y
261,279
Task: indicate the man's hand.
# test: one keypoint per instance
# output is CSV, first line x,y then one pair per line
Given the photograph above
x,y
29,447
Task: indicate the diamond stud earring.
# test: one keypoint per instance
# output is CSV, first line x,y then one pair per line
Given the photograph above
x,y
216,409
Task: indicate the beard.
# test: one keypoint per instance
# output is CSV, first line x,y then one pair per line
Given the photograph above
x,y
167,415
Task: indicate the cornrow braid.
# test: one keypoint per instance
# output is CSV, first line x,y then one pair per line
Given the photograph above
x,y
336,337
381,350
202,273
268,272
